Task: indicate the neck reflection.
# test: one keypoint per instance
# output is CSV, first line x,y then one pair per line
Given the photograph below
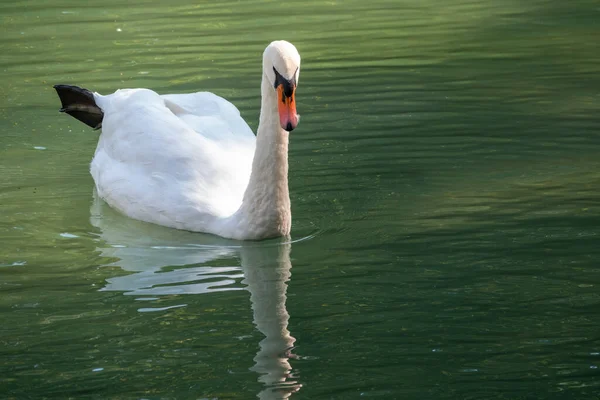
x,y
267,269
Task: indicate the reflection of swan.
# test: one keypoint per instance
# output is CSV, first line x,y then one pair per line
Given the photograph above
x,y
189,161
266,272
144,249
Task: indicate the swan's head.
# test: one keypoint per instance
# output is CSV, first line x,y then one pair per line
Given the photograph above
x,y
281,65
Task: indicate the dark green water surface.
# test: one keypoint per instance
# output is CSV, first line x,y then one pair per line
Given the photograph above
x,y
445,185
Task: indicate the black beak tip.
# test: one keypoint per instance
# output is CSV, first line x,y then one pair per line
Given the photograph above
x,y
289,127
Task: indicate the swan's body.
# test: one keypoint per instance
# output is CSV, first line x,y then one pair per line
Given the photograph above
x,y
189,161
181,161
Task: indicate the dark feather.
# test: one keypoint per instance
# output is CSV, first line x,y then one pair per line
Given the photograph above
x,y
80,104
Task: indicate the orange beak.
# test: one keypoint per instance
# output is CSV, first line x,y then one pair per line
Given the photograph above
x,y
287,108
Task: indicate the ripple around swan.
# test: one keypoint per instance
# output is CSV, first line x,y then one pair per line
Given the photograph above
x,y
190,280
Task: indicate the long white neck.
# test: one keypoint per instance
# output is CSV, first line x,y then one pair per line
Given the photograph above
x,y
265,211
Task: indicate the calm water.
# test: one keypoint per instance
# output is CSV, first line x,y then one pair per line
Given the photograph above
x,y
445,186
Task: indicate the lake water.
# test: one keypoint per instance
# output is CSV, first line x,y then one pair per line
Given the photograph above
x,y
444,181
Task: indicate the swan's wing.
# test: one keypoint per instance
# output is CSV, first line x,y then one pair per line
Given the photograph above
x,y
219,122
174,168
210,115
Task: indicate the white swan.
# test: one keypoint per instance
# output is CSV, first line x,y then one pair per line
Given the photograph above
x,y
189,161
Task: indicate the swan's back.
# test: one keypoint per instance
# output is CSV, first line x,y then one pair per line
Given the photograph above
x,y
177,160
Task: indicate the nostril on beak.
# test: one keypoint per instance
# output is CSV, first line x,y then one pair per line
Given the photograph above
x,y
289,127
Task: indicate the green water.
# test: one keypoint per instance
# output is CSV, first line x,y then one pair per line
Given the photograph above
x,y
444,181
